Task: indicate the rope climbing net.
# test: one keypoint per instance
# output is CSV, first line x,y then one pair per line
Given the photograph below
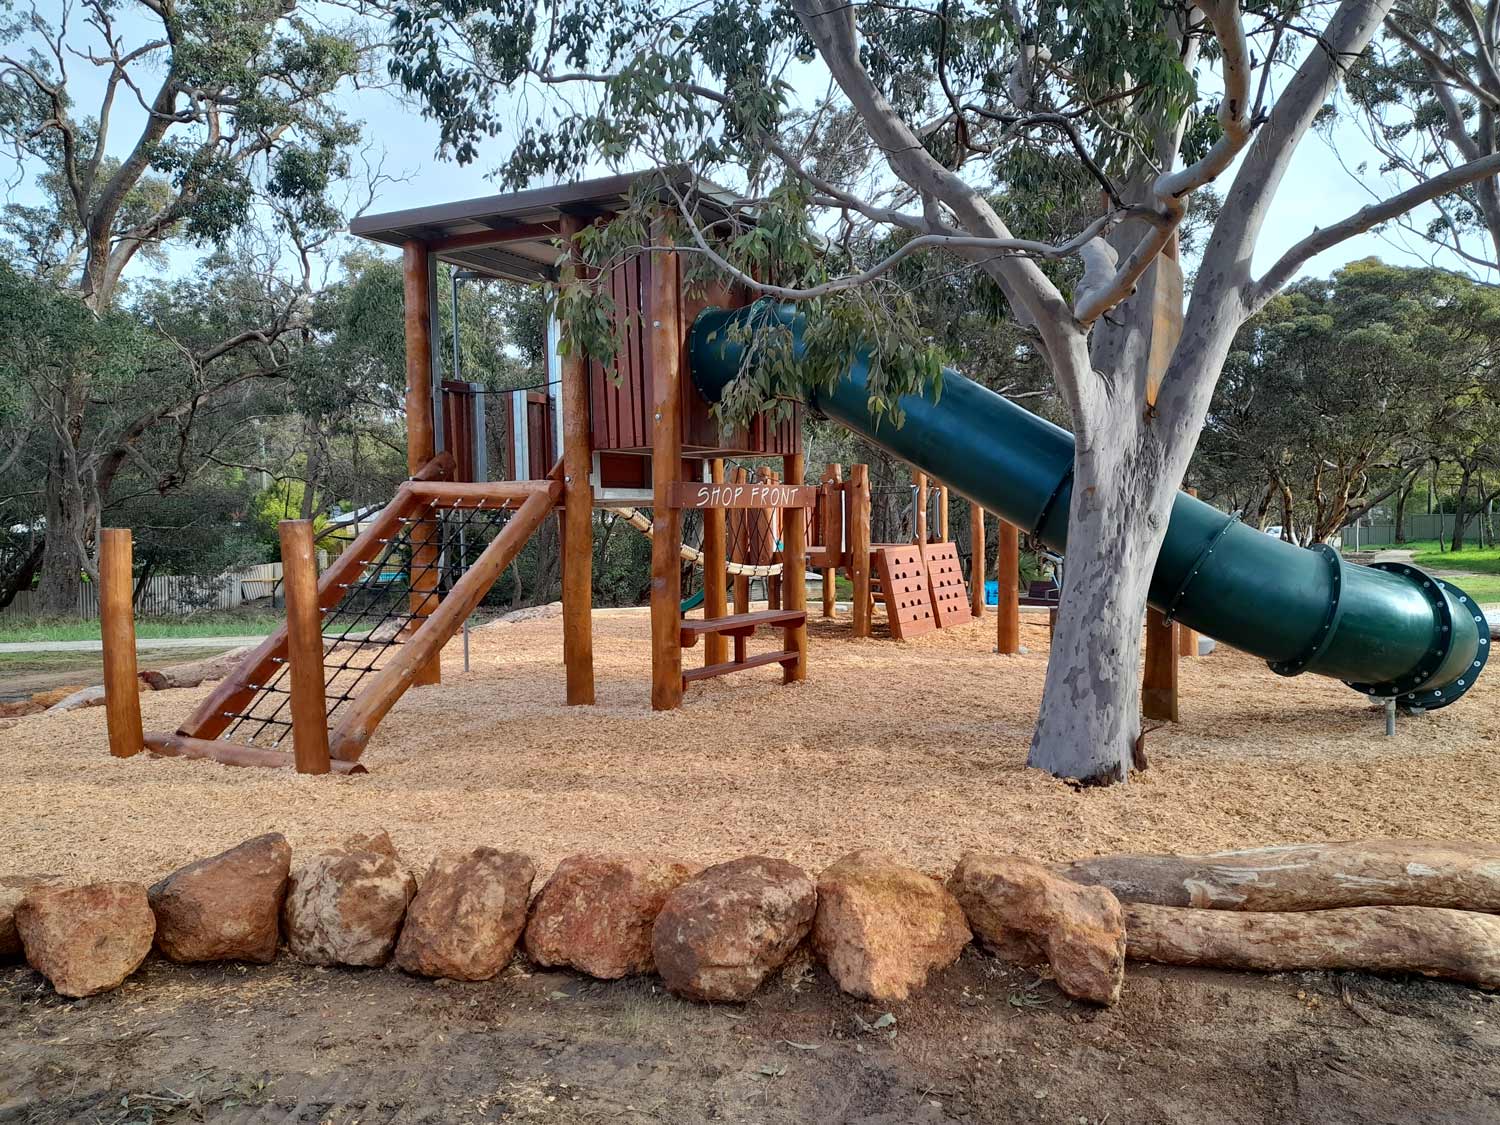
x,y
396,591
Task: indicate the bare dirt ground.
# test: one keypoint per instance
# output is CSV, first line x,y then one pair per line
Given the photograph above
x,y
983,1044
918,749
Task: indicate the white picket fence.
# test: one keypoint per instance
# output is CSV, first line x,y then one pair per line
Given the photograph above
x,y
172,595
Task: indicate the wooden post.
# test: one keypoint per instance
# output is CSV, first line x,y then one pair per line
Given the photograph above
x,y
304,646
794,570
1159,677
1187,640
743,527
578,511
773,581
666,466
976,559
942,513
420,439
1008,584
122,687
919,527
859,546
715,594
833,533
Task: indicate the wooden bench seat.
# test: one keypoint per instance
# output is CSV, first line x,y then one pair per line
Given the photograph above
x,y
740,624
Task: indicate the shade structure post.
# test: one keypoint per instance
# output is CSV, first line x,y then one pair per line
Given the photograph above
x,y
794,571
715,590
976,559
304,637
1008,586
122,688
859,546
578,507
421,440
665,332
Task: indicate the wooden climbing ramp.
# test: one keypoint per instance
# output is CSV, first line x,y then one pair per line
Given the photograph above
x,y
389,603
903,587
945,585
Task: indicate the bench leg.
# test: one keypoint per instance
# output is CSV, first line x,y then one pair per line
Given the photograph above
x,y
739,648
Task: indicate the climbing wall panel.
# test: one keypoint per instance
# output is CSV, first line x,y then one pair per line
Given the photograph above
x,y
945,582
903,582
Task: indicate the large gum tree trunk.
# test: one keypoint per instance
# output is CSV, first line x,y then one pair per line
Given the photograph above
x,y
69,528
1090,715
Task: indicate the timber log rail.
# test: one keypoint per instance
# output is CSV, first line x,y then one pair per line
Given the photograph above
x,y
370,628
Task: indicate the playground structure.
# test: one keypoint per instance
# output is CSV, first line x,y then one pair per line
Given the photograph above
x,y
641,433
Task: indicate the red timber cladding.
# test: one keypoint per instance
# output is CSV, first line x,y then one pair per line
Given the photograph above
x,y
620,400
458,427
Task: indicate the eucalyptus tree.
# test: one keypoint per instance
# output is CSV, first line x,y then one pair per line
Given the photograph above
x,y
1428,96
137,124
949,109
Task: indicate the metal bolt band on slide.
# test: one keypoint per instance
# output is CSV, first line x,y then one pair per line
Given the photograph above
x,y
1324,636
1064,482
1208,549
1408,689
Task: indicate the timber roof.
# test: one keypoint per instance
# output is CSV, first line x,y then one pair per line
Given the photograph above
x,y
514,236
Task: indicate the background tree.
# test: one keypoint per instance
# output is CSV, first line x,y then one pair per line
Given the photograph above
x,y
949,106
238,127
1338,392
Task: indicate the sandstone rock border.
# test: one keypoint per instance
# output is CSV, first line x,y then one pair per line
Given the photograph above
x,y
718,933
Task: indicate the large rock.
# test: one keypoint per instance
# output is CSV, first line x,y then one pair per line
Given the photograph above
x,y
226,907
881,927
86,939
722,932
13,888
467,916
596,912
344,907
1024,912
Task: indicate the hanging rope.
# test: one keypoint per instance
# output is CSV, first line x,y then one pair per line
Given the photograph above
x,y
694,555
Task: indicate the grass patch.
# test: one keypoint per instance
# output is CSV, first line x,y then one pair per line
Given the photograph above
x,y
208,625
1483,588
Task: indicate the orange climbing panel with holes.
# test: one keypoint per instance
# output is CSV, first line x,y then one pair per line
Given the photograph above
x,y
945,585
904,589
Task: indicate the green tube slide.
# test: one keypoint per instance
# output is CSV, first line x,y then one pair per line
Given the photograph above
x,y
1388,630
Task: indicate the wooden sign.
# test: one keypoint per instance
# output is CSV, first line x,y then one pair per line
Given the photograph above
x,y
749,494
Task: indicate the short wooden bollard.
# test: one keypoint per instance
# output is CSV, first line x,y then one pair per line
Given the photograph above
x,y
1008,588
122,687
304,646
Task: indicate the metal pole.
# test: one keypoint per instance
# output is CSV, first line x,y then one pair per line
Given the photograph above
x,y
1390,718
